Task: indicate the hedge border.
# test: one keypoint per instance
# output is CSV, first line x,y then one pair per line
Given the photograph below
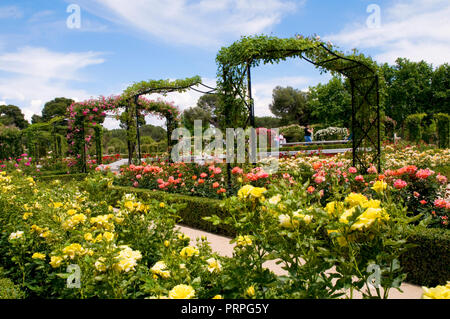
x,y
62,177
427,264
203,207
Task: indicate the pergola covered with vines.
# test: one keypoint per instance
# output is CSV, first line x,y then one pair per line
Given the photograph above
x,y
87,117
234,84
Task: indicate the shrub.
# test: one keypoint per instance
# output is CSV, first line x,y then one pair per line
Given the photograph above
x,y
8,290
414,126
191,215
293,133
427,263
443,129
315,147
331,133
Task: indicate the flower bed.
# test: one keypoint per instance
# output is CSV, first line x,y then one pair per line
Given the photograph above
x,y
132,251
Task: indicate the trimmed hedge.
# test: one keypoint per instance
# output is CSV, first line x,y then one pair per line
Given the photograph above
x,y
427,264
315,147
62,177
192,214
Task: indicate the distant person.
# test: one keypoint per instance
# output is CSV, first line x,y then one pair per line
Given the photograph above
x,y
308,133
282,139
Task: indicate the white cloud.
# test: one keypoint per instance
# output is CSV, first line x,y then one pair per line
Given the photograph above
x,y
41,62
10,12
34,75
205,23
2,103
418,30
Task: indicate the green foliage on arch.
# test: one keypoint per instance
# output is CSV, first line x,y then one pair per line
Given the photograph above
x,y
250,51
161,86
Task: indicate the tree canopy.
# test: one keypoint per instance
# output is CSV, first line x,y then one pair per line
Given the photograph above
x,y
11,115
56,107
291,105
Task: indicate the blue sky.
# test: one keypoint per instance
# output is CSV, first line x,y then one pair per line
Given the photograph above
x,y
120,42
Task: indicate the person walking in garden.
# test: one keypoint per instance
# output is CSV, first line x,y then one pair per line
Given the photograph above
x,y
308,133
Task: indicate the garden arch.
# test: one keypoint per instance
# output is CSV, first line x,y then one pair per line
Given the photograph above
x,y
137,90
234,84
91,114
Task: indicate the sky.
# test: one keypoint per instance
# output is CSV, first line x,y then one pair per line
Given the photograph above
x,y
87,48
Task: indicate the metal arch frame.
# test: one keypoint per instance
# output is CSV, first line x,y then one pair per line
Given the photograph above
x,y
370,96
163,90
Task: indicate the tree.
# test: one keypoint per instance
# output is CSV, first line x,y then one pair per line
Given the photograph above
x,y
210,104
440,86
196,113
12,115
331,103
56,107
267,122
157,133
409,88
36,119
291,105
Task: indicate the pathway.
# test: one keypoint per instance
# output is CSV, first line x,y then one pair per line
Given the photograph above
x,y
222,246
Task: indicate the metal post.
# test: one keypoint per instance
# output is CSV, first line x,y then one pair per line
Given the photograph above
x,y
379,125
130,152
136,98
352,83
252,106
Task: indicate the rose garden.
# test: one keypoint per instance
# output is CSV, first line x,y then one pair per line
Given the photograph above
x,y
339,224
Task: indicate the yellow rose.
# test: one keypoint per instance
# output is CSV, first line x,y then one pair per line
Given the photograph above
x,y
162,205
72,250
333,208
88,237
57,205
439,292
257,192
38,256
160,268
243,240
108,236
55,261
373,203
189,251
182,292
275,199
71,212
244,192
366,219
285,221
306,218
379,187
354,199
250,291
99,264
347,213
217,297
214,265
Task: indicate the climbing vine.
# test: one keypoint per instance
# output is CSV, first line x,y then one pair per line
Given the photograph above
x,y
87,116
234,64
